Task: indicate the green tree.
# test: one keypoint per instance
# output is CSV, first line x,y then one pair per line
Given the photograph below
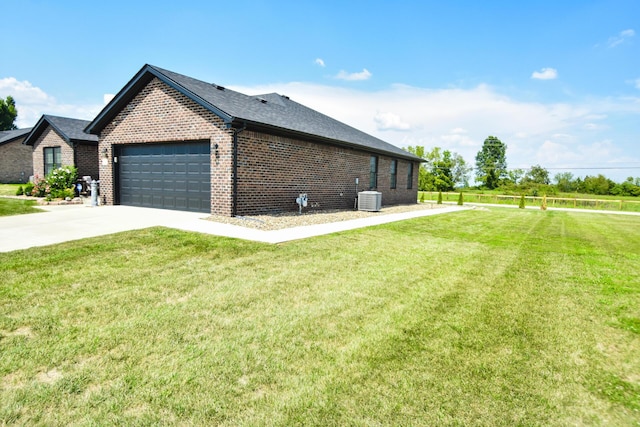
x,y
8,113
442,171
515,175
600,185
491,163
536,175
460,171
424,181
565,182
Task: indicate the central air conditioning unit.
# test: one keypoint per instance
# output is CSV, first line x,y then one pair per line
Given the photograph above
x,y
369,201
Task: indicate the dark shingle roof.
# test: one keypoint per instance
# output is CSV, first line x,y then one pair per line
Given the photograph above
x,y
270,112
7,136
71,130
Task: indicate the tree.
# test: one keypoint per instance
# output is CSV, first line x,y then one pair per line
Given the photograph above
x,y
424,183
460,171
515,175
442,171
596,185
491,163
536,175
565,182
8,114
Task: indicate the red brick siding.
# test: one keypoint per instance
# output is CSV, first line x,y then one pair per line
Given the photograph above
x,y
159,113
50,138
274,170
16,164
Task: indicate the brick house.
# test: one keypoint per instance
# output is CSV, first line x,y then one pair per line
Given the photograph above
x,y
61,141
16,164
171,141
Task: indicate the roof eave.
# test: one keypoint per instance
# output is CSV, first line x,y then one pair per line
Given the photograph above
x,y
131,89
240,123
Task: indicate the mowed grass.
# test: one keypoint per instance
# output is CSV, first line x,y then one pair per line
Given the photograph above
x,y
9,189
17,207
501,317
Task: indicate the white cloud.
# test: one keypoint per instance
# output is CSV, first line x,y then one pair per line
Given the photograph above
x,y
390,121
32,102
107,97
620,38
545,74
460,119
319,62
363,75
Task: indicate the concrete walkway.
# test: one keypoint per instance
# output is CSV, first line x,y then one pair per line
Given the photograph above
x,y
72,222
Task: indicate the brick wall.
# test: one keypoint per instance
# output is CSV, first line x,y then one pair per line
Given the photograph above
x,y
16,164
50,138
87,161
159,113
274,170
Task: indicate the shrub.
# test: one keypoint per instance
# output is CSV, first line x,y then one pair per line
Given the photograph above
x,y
422,197
20,191
62,178
63,194
460,199
521,205
40,187
28,188
439,197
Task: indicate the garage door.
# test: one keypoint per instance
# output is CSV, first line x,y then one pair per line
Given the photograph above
x,y
165,176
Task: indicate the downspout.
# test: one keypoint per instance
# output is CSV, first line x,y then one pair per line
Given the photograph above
x,y
234,189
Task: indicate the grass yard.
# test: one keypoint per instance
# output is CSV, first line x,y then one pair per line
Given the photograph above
x,y
9,189
502,317
17,207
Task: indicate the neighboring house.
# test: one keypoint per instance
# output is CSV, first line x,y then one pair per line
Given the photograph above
x,y
174,142
16,165
61,141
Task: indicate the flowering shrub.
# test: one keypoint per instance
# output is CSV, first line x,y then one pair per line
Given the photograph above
x,y
62,178
40,187
58,184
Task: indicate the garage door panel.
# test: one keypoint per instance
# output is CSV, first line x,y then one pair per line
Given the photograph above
x,y
166,176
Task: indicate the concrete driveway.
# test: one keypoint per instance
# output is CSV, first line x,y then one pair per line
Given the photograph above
x,y
72,222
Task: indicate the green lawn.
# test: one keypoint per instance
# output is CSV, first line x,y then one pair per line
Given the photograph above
x,y
17,207
502,317
9,189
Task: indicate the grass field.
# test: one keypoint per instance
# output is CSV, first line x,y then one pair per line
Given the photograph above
x,y
501,317
579,201
17,207
9,189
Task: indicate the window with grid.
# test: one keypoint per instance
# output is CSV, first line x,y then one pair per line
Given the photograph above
x,y
52,159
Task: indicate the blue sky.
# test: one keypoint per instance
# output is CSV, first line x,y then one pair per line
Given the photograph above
x,y
558,82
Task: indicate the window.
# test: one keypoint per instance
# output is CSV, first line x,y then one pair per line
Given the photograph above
x,y
373,172
410,176
394,173
52,159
